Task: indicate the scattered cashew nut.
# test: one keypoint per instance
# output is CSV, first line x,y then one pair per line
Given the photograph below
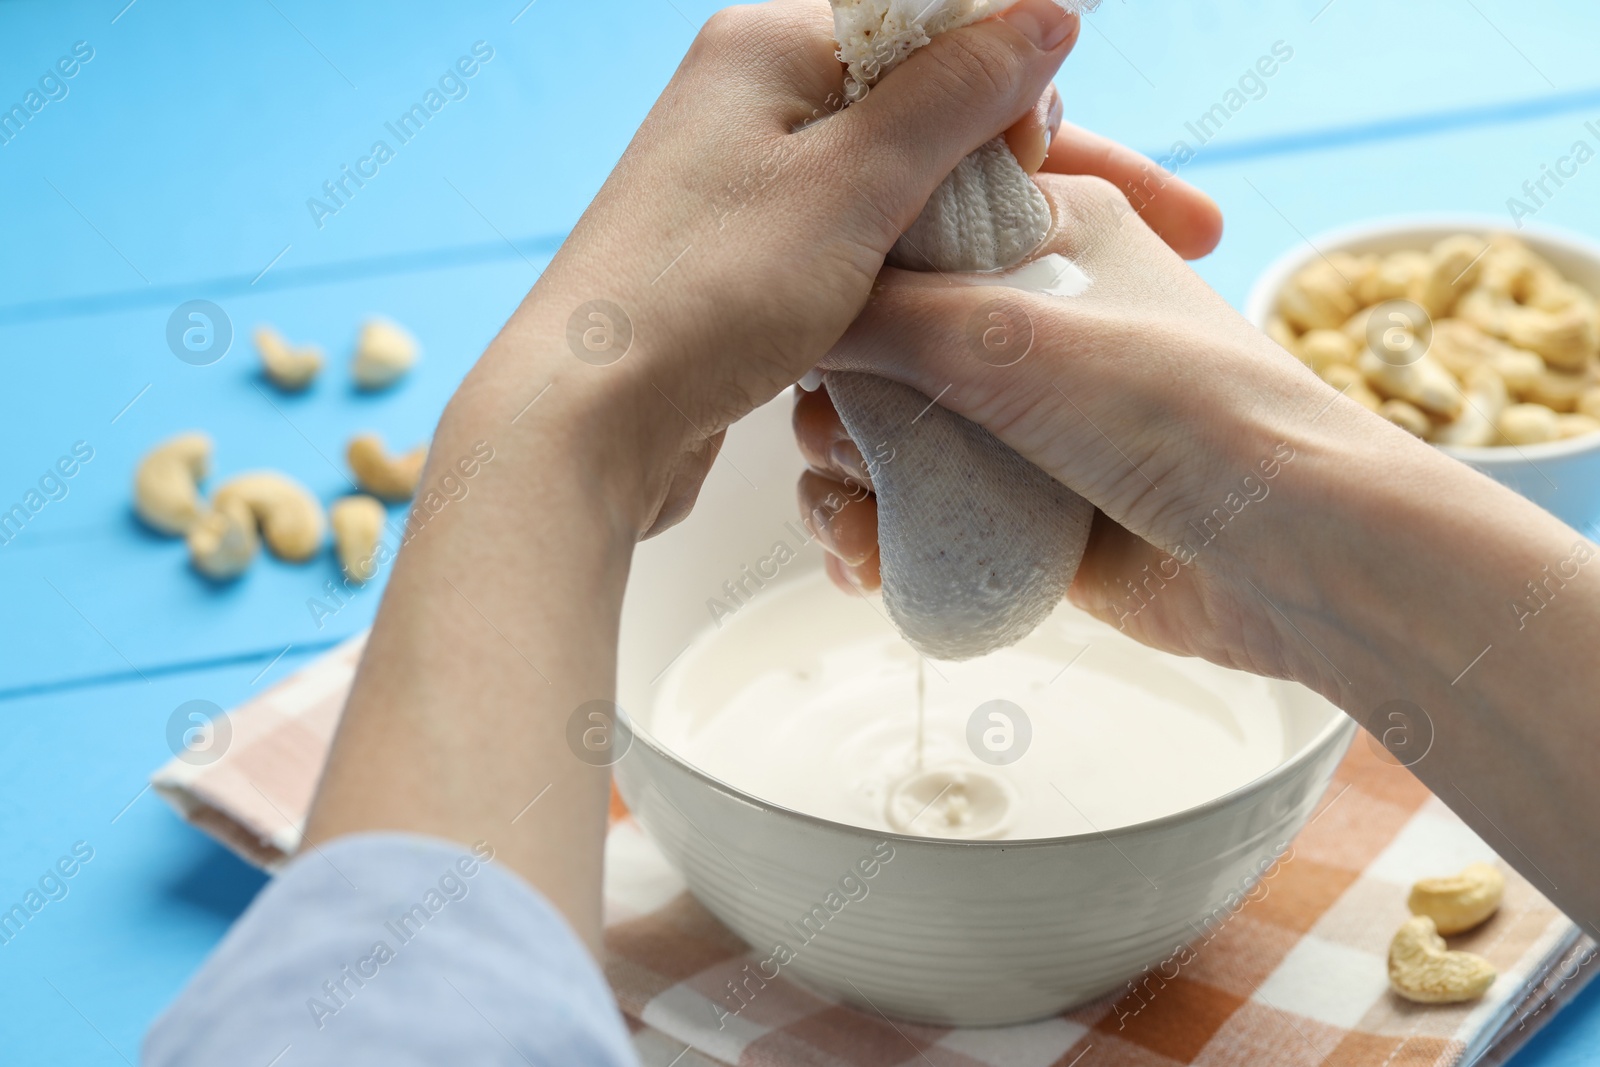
x,y
290,517
166,487
391,478
384,353
1461,901
357,523
286,366
1422,967
224,542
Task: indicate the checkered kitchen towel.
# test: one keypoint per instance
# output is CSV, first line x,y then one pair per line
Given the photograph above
x,y
1295,976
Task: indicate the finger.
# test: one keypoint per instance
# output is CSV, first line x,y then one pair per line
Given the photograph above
x,y
824,442
843,518
1029,137
856,580
1113,562
951,96
1182,215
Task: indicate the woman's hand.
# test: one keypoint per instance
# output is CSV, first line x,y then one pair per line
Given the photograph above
x,y
742,230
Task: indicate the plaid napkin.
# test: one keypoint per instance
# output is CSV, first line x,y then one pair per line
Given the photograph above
x,y
1295,976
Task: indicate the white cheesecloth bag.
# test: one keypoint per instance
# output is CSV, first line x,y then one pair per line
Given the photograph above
x,y
976,545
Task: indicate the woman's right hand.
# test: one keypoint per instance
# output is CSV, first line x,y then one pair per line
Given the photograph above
x,y
1219,463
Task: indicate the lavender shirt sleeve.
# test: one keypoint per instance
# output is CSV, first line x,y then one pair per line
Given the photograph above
x,y
395,949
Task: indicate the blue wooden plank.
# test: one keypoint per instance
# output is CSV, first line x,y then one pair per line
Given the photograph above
x,y
115,941
107,596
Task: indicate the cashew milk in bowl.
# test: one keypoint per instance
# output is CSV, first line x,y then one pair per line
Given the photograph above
x,y
808,699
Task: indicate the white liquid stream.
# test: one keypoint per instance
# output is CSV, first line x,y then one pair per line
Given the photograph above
x,y
808,699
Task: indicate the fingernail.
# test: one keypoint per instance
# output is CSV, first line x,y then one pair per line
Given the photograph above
x,y
1043,22
1053,122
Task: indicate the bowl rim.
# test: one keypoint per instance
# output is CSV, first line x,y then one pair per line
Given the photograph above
x,y
1264,290
1341,722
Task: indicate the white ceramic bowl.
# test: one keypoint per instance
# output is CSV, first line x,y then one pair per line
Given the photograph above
x,y
1563,477
951,932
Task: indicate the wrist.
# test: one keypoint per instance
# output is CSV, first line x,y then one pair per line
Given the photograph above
x,y
1387,594
620,430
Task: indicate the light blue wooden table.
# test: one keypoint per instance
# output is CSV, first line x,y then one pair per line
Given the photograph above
x,y
175,164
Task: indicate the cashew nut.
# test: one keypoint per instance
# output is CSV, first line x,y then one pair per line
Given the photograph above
x,y
392,478
1486,398
1318,297
1567,339
1513,271
289,516
1423,382
1528,424
357,522
166,489
1348,380
1453,269
1589,402
1461,901
1422,968
1575,425
1407,417
224,541
1555,390
1394,277
1322,348
384,353
286,366
1283,333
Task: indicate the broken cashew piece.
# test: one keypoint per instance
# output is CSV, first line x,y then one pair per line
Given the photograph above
x,y
1461,901
289,516
286,366
357,523
1423,969
166,487
224,542
384,353
392,478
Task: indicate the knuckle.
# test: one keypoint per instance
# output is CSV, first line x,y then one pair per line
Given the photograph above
x,y
1088,207
977,65
731,26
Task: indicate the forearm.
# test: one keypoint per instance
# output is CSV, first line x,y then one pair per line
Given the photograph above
x,y
1395,598
499,621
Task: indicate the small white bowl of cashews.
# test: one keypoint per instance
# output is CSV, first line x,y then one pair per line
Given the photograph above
x,y
1477,337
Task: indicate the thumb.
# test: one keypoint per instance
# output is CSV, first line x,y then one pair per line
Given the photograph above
x,y
959,91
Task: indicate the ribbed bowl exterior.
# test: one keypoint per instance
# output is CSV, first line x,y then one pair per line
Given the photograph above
x,y
970,933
